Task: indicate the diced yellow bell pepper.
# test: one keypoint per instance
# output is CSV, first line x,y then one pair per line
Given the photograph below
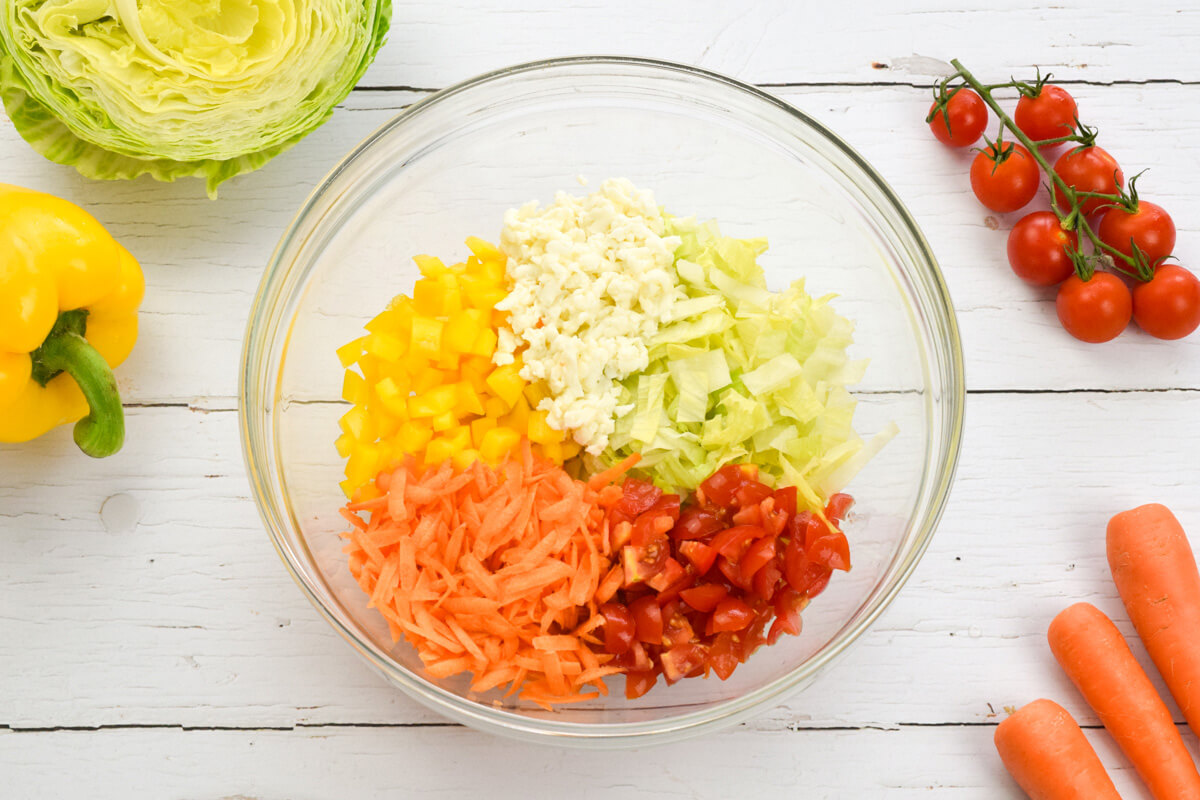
x,y
497,443
355,424
354,388
506,383
469,402
438,400
427,335
413,436
385,346
430,266
349,352
486,251
465,458
445,421
540,431
479,427
392,397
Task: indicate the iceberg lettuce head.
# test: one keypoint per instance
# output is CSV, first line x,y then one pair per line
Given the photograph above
x,y
172,88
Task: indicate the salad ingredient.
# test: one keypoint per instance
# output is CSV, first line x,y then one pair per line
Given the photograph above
x,y
1046,112
1088,169
490,570
1038,249
176,88
1047,754
422,381
1098,661
958,120
1126,235
1155,572
1095,310
716,578
1004,177
742,374
1147,227
69,295
591,282
1168,305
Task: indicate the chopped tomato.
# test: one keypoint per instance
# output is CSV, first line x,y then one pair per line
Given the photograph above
x,y
723,655
751,493
676,628
705,596
731,614
681,660
831,550
647,617
671,573
732,573
697,523
637,497
838,505
766,580
700,555
731,542
644,562
785,500
638,683
758,555
619,628
720,487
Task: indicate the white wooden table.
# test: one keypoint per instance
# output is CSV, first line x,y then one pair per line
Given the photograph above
x,y
152,645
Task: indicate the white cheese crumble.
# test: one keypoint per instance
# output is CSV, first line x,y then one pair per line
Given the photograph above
x,y
591,282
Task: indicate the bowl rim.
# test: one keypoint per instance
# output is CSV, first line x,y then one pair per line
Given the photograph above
x,y
624,734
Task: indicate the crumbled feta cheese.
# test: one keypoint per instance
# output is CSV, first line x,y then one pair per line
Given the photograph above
x,y
591,282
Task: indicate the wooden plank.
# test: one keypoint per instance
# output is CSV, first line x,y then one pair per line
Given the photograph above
x,y
938,762
203,266
143,590
436,43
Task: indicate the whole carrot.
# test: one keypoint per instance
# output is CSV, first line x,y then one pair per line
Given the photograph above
x,y
1155,572
1049,757
1095,657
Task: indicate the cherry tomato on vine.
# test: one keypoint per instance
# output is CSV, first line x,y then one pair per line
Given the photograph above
x,y
1004,179
1168,305
1037,249
1096,310
1088,169
1150,227
1047,115
967,116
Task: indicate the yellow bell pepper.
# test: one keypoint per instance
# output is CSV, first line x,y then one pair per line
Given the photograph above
x,y
69,295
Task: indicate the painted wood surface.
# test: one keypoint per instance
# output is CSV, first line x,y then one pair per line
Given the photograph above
x,y
151,644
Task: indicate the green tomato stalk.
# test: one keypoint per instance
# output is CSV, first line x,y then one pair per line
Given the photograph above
x,y
1071,216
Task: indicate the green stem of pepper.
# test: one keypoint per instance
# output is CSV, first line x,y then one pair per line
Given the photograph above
x,y
102,432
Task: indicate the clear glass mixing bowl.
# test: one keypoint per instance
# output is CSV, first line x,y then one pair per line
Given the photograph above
x,y
448,167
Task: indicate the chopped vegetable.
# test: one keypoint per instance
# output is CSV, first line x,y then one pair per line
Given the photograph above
x,y
422,381
1155,572
490,570
178,88
742,374
69,295
1095,657
706,584
591,281
1047,754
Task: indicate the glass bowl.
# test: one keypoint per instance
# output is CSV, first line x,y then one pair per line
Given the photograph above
x,y
709,146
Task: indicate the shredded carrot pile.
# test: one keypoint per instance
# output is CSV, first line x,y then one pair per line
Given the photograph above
x,y
496,571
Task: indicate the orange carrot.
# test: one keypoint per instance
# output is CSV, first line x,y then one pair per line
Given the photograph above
x,y
1095,657
471,570
1155,572
1049,757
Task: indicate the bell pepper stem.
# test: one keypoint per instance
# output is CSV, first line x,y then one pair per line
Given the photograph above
x,y
102,432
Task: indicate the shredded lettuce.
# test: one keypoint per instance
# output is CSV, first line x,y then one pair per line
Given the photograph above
x,y
173,88
743,374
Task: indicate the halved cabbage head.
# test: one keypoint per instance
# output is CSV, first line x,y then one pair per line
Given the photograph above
x,y
206,88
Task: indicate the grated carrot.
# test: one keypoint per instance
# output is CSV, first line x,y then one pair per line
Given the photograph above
x,y
489,570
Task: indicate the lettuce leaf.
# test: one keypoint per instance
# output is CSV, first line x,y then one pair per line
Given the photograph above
x,y
744,374
175,88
